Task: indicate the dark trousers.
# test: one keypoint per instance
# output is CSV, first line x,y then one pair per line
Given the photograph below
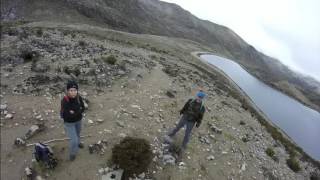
x,y
189,125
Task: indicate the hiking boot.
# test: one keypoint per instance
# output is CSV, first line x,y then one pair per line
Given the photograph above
x,y
81,145
180,155
167,139
72,157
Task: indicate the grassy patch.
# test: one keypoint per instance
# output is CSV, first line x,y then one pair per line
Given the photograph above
x,y
39,32
270,152
82,43
229,137
293,164
111,59
28,55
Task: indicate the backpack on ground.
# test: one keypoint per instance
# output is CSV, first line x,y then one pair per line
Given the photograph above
x,y
43,153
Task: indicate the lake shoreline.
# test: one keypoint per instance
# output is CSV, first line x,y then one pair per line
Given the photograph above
x,y
272,128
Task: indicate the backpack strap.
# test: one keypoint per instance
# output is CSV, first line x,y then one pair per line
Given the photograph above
x,y
66,98
202,106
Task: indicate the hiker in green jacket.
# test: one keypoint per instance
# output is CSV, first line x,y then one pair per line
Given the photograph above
x,y
192,114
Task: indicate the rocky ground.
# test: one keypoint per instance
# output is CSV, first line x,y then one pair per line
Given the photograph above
x,y
135,86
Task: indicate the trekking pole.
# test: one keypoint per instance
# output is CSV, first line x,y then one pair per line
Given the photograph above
x,y
55,140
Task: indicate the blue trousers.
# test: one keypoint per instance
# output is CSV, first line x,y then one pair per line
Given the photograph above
x,y
73,130
189,125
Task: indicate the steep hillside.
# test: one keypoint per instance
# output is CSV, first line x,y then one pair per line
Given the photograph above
x,y
138,95
161,18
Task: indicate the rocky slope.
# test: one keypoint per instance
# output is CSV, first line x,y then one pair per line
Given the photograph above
x,y
160,18
129,97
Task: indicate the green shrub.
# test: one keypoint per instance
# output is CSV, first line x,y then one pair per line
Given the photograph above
x,y
270,152
39,32
109,59
314,176
153,56
293,164
28,55
133,155
82,43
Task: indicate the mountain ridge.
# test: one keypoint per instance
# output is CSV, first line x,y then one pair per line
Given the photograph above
x,y
168,19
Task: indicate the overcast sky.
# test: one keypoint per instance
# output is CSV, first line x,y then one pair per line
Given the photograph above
x,y
288,30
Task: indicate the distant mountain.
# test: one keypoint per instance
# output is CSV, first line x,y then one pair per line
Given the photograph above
x,y
166,19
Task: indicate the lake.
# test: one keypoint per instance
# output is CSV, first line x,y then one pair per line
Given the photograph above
x,y
298,121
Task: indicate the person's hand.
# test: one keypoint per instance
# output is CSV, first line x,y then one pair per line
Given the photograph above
x,y
71,112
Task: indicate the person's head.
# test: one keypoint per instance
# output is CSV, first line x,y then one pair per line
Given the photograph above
x,y
72,89
200,96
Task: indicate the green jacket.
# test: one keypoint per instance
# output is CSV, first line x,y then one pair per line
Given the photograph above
x,y
193,110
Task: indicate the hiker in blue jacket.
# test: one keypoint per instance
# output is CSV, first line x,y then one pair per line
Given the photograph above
x,y
72,107
192,114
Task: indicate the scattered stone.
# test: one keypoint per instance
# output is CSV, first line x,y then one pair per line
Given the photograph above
x,y
9,116
168,159
182,164
204,140
214,128
83,93
120,72
39,178
28,171
114,175
39,117
101,171
245,138
19,142
150,114
122,135
224,152
98,147
171,93
100,120
106,170
135,106
34,129
210,158
120,124
3,107
142,175
90,121
243,167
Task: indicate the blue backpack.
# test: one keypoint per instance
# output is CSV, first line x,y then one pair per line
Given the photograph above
x,y
43,153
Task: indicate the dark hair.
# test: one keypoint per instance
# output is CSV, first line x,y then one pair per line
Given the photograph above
x,y
72,84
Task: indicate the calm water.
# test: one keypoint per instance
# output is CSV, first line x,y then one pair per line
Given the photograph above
x,y
301,123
